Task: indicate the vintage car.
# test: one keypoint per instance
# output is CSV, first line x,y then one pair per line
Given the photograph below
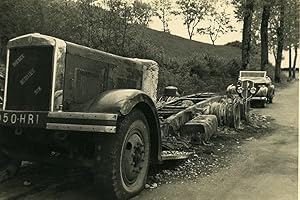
x,y
262,90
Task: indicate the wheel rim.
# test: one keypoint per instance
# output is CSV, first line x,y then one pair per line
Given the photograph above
x,y
133,157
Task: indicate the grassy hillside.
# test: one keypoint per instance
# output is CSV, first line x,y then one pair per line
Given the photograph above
x,y
190,65
175,46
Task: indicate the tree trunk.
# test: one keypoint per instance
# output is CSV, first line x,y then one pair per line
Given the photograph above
x,y
295,61
280,42
290,62
247,33
264,36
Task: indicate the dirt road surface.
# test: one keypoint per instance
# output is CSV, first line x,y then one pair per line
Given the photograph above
x,y
267,169
261,168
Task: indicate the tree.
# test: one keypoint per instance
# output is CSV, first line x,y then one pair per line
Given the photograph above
x,y
264,34
296,41
193,11
141,13
292,32
280,41
163,10
287,32
296,45
247,18
219,25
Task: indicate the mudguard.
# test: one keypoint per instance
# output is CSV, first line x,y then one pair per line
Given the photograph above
x,y
271,91
262,92
121,102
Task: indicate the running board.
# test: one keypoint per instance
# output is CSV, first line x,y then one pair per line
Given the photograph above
x,y
176,155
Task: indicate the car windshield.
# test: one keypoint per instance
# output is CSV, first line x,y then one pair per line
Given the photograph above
x,y
252,74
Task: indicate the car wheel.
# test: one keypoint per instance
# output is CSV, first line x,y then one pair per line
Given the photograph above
x,y
8,167
263,104
271,100
123,159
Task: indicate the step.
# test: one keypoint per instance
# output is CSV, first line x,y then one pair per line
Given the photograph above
x,y
176,155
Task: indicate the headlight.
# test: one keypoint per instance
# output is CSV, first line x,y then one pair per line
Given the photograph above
x,y
239,90
252,90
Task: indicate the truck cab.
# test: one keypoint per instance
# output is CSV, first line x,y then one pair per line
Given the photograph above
x,y
71,105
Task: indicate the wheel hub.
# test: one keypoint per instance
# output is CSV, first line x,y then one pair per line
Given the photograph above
x,y
133,157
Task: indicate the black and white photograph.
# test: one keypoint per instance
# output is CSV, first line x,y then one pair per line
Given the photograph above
x,y
149,99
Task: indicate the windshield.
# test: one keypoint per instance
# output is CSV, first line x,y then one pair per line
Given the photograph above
x,y
244,74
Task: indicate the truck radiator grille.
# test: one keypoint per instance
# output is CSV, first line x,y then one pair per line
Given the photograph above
x,y
30,78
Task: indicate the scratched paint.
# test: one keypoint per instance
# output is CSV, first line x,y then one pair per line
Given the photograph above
x,y
150,78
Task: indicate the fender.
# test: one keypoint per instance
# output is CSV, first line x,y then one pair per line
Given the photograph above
x,y
121,102
262,91
271,91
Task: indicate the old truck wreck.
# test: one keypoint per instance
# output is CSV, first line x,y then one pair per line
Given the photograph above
x,y
70,105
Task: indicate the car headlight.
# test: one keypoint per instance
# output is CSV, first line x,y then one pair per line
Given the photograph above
x,y
239,90
252,90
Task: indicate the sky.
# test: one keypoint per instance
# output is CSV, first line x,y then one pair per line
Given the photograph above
x,y
177,28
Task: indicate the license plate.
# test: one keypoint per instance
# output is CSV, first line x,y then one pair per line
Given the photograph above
x,y
27,119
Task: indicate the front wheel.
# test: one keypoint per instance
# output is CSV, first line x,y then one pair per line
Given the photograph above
x,y
263,104
271,100
122,160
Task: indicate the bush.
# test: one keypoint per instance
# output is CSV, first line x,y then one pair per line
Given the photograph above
x,y
198,73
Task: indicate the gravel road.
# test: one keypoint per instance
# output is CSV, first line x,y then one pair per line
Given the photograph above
x,y
266,169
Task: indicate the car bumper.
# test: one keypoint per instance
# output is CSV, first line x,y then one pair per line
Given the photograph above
x,y
259,99
69,121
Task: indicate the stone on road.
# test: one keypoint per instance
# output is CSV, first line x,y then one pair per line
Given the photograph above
x,y
267,169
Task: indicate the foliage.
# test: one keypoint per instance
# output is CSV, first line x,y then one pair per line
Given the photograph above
x,y
163,10
199,72
236,43
193,11
120,27
219,25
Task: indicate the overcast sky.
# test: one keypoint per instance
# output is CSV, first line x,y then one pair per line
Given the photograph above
x,y
177,28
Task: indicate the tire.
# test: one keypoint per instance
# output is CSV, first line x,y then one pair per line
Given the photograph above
x,y
271,100
122,160
8,167
236,115
263,104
